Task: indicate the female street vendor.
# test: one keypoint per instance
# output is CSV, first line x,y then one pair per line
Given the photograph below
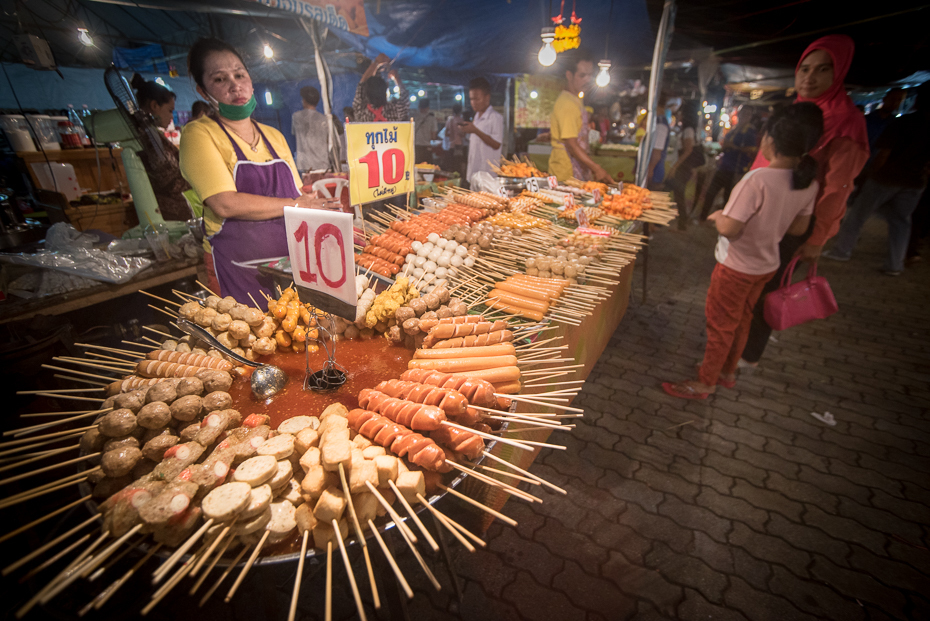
x,y
243,172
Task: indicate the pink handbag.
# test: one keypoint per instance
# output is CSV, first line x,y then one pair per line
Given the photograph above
x,y
795,303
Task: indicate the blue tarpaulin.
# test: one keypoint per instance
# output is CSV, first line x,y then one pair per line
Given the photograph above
x,y
148,58
496,36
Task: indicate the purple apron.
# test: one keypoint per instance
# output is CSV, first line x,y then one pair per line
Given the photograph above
x,y
579,170
240,241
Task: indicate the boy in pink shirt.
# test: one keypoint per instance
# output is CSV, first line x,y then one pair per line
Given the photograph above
x,y
766,204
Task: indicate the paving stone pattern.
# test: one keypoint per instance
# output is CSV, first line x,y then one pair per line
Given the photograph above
x,y
743,506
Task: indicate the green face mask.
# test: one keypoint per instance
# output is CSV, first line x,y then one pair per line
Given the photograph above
x,y
237,113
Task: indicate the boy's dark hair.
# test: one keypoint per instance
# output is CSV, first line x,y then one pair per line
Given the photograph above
x,y
424,103
795,129
571,58
197,56
480,84
376,91
689,114
310,95
148,91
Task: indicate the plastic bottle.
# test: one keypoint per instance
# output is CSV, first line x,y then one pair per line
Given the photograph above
x,y
85,112
75,120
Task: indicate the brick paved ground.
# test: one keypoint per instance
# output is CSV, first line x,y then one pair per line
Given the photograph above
x,y
743,506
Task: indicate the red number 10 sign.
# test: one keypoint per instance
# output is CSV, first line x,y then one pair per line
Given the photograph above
x,y
319,244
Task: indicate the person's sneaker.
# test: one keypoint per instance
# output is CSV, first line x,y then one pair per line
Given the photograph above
x,y
833,256
891,272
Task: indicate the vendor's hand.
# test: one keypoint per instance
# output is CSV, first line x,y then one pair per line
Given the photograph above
x,y
468,127
601,175
381,59
314,201
715,216
809,252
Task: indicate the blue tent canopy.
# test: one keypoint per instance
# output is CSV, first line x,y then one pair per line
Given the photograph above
x,y
496,36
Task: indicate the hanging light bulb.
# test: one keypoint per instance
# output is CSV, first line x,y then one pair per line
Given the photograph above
x,y
534,94
547,53
267,51
421,92
85,37
458,96
603,76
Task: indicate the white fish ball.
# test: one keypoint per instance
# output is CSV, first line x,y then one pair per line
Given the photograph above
x,y
443,261
469,261
461,251
429,266
456,261
416,246
419,261
441,272
433,237
417,272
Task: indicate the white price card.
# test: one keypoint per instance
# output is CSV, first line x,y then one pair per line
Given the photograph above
x,y
569,200
552,182
532,185
319,244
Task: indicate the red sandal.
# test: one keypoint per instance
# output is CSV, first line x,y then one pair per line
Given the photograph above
x,y
684,391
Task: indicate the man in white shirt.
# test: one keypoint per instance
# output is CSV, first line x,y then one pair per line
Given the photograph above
x,y
426,128
487,129
311,130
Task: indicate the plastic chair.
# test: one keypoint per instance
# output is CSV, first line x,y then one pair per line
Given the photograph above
x,y
323,187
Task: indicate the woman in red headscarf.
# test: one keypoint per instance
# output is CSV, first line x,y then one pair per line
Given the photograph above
x,y
841,153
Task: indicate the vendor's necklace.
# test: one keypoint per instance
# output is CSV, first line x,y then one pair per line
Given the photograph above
x,y
253,144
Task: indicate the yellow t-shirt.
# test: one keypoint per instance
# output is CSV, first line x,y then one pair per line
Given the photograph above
x,y
208,159
565,122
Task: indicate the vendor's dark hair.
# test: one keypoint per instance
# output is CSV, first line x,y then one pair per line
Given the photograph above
x,y
480,84
456,108
310,95
376,91
148,91
197,56
571,58
796,128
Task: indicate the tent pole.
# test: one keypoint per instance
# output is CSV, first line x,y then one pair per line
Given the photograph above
x,y
663,40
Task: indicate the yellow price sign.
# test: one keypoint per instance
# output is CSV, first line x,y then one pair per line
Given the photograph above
x,y
380,157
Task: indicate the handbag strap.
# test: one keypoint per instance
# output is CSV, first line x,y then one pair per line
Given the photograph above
x,y
788,274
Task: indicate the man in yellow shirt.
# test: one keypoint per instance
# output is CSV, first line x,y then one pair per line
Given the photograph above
x,y
569,123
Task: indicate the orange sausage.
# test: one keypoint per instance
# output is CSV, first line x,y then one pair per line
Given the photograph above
x,y
530,292
460,365
552,292
539,283
513,309
508,388
519,300
503,349
499,375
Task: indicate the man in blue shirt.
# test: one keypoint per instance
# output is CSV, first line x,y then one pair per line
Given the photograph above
x,y
739,150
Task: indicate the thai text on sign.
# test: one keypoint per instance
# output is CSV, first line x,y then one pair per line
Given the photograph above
x,y
380,157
